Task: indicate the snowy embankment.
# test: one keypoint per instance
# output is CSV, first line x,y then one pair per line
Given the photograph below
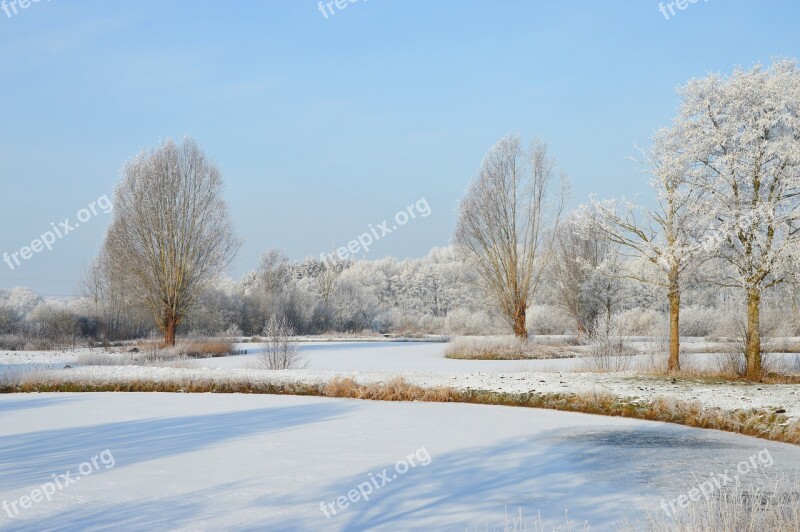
x,y
422,365
728,396
255,462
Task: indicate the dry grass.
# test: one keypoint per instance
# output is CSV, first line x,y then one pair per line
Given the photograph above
x,y
187,348
759,423
150,353
516,522
782,345
772,506
155,358
767,505
708,376
506,348
394,390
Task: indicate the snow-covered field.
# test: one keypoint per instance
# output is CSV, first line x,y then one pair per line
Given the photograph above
x,y
425,365
255,462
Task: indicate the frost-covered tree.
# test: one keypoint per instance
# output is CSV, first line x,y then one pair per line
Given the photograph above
x,y
742,133
21,300
8,318
356,299
109,296
659,243
579,286
171,232
506,225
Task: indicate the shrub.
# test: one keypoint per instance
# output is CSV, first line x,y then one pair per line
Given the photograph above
x,y
699,321
12,342
470,323
49,327
233,332
281,350
504,348
549,319
731,363
609,349
184,348
642,321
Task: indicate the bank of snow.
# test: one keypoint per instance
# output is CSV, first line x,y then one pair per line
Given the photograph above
x,y
254,462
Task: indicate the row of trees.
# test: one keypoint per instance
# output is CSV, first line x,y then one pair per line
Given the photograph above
x,y
431,295
727,179
726,175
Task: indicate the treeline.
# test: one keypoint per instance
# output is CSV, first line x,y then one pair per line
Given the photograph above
x,y
431,295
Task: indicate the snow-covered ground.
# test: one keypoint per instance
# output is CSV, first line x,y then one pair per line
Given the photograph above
x,y
371,356
425,365
403,357
389,357
257,462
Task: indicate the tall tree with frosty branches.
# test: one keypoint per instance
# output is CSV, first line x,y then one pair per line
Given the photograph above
x,y
507,222
171,234
659,243
742,135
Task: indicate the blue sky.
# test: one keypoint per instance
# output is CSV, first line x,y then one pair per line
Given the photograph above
x,y
322,126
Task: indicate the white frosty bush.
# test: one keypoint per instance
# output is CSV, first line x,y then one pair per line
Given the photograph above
x,y
549,319
609,349
642,322
467,323
699,321
281,350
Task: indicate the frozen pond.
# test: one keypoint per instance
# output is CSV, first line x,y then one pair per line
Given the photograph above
x,y
254,462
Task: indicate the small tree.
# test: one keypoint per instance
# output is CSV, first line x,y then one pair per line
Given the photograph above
x,y
282,350
659,243
576,273
506,225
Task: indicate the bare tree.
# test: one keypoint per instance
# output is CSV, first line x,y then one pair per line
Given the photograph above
x,y
661,242
507,223
171,233
282,350
109,294
326,278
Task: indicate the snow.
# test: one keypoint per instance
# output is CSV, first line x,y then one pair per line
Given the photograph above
x,y
254,462
425,365
388,357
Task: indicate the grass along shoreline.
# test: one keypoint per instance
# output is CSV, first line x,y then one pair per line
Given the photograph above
x,y
760,423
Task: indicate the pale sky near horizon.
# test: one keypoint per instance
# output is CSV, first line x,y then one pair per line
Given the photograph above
x,y
325,123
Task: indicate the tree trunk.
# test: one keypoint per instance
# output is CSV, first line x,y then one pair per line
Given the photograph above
x,y
674,363
674,297
170,328
752,351
520,324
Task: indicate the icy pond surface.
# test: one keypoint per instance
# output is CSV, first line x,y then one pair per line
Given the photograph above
x,y
256,462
